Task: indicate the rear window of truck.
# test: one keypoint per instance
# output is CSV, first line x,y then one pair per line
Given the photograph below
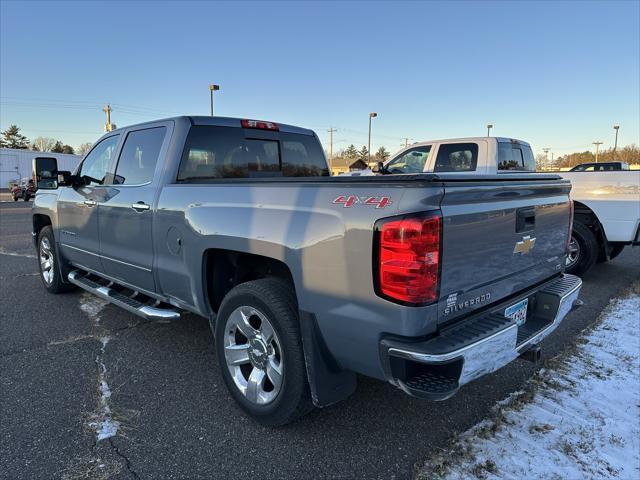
x,y
515,157
227,152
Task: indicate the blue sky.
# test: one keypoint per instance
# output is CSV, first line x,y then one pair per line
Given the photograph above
x,y
558,74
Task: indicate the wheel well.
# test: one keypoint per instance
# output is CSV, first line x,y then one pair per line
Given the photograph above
x,y
588,218
224,269
39,222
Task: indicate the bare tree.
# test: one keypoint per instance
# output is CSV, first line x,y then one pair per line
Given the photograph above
x,y
44,144
83,148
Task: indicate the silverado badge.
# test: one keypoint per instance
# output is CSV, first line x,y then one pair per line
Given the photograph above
x,y
525,245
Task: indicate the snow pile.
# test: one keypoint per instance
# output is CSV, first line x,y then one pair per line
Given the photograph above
x,y
578,419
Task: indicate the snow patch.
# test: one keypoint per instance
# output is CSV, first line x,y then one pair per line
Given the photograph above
x,y
583,420
14,254
102,421
92,306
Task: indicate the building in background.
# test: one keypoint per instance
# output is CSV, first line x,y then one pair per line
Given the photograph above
x,y
16,164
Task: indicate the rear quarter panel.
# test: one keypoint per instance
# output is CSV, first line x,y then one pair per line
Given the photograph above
x,y
326,246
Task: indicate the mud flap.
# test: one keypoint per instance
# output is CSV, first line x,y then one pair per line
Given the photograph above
x,y
328,383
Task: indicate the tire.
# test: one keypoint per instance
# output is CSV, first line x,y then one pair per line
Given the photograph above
x,y
48,264
15,199
586,254
26,198
278,355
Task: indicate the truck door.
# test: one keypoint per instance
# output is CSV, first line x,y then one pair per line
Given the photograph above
x,y
77,207
126,214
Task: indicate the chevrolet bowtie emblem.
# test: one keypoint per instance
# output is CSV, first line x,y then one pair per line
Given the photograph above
x,y
525,245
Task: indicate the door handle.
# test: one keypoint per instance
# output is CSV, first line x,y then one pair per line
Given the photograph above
x,y
90,203
140,206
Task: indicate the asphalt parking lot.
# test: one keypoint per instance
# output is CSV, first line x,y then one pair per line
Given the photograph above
x,y
176,418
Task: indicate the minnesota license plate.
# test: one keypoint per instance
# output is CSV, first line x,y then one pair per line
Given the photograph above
x,y
518,312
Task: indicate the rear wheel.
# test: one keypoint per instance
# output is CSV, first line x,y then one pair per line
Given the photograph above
x,y
50,271
259,350
583,250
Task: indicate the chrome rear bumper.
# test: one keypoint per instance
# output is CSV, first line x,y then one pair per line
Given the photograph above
x,y
436,368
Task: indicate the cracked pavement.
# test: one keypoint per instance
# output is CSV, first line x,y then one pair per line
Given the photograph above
x,y
176,419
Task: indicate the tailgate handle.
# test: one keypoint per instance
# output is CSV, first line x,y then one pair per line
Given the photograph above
x,y
525,219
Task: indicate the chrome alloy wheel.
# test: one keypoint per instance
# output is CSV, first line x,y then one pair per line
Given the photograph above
x,y
46,260
574,252
254,355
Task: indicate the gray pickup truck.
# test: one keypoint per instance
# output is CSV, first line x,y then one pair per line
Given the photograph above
x,y
427,281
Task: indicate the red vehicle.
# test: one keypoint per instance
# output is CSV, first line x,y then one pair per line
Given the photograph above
x,y
25,191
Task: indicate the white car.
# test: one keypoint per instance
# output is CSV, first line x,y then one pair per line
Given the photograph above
x,y
607,203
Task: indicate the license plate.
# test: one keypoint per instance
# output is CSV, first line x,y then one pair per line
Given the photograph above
x,y
518,311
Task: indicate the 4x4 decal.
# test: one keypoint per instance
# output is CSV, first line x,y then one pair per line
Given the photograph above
x,y
348,201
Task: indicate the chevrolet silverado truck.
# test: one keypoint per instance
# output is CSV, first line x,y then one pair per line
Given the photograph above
x,y
426,281
606,196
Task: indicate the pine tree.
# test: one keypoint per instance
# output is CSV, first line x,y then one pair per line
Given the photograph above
x,y
58,147
363,154
12,138
351,153
68,149
382,154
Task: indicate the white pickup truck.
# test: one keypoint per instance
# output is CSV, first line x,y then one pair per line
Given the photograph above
x,y
607,203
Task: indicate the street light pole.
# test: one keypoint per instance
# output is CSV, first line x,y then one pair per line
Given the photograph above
x,y
489,127
371,115
615,145
597,144
212,88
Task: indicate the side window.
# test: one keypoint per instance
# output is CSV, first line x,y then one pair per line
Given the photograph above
x,y
411,161
457,157
94,167
139,156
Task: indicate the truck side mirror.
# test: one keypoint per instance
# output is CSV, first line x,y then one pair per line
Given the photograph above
x,y
45,172
378,168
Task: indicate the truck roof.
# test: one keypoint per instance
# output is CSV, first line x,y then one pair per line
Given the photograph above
x,y
221,122
470,139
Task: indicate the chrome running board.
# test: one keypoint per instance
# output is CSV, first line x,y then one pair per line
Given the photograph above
x,y
149,310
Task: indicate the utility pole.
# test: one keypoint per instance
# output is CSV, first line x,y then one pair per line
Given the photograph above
x,y
331,130
406,142
108,127
371,115
212,88
597,144
546,157
615,145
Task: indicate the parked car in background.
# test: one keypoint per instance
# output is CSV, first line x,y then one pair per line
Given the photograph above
x,y
606,216
425,281
600,167
25,191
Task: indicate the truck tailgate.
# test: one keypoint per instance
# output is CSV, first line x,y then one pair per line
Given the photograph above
x,y
499,238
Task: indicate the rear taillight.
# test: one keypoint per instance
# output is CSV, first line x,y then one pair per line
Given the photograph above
x,y
571,210
259,124
407,259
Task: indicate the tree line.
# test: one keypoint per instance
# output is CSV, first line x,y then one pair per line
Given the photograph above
x,y
352,154
12,138
629,154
